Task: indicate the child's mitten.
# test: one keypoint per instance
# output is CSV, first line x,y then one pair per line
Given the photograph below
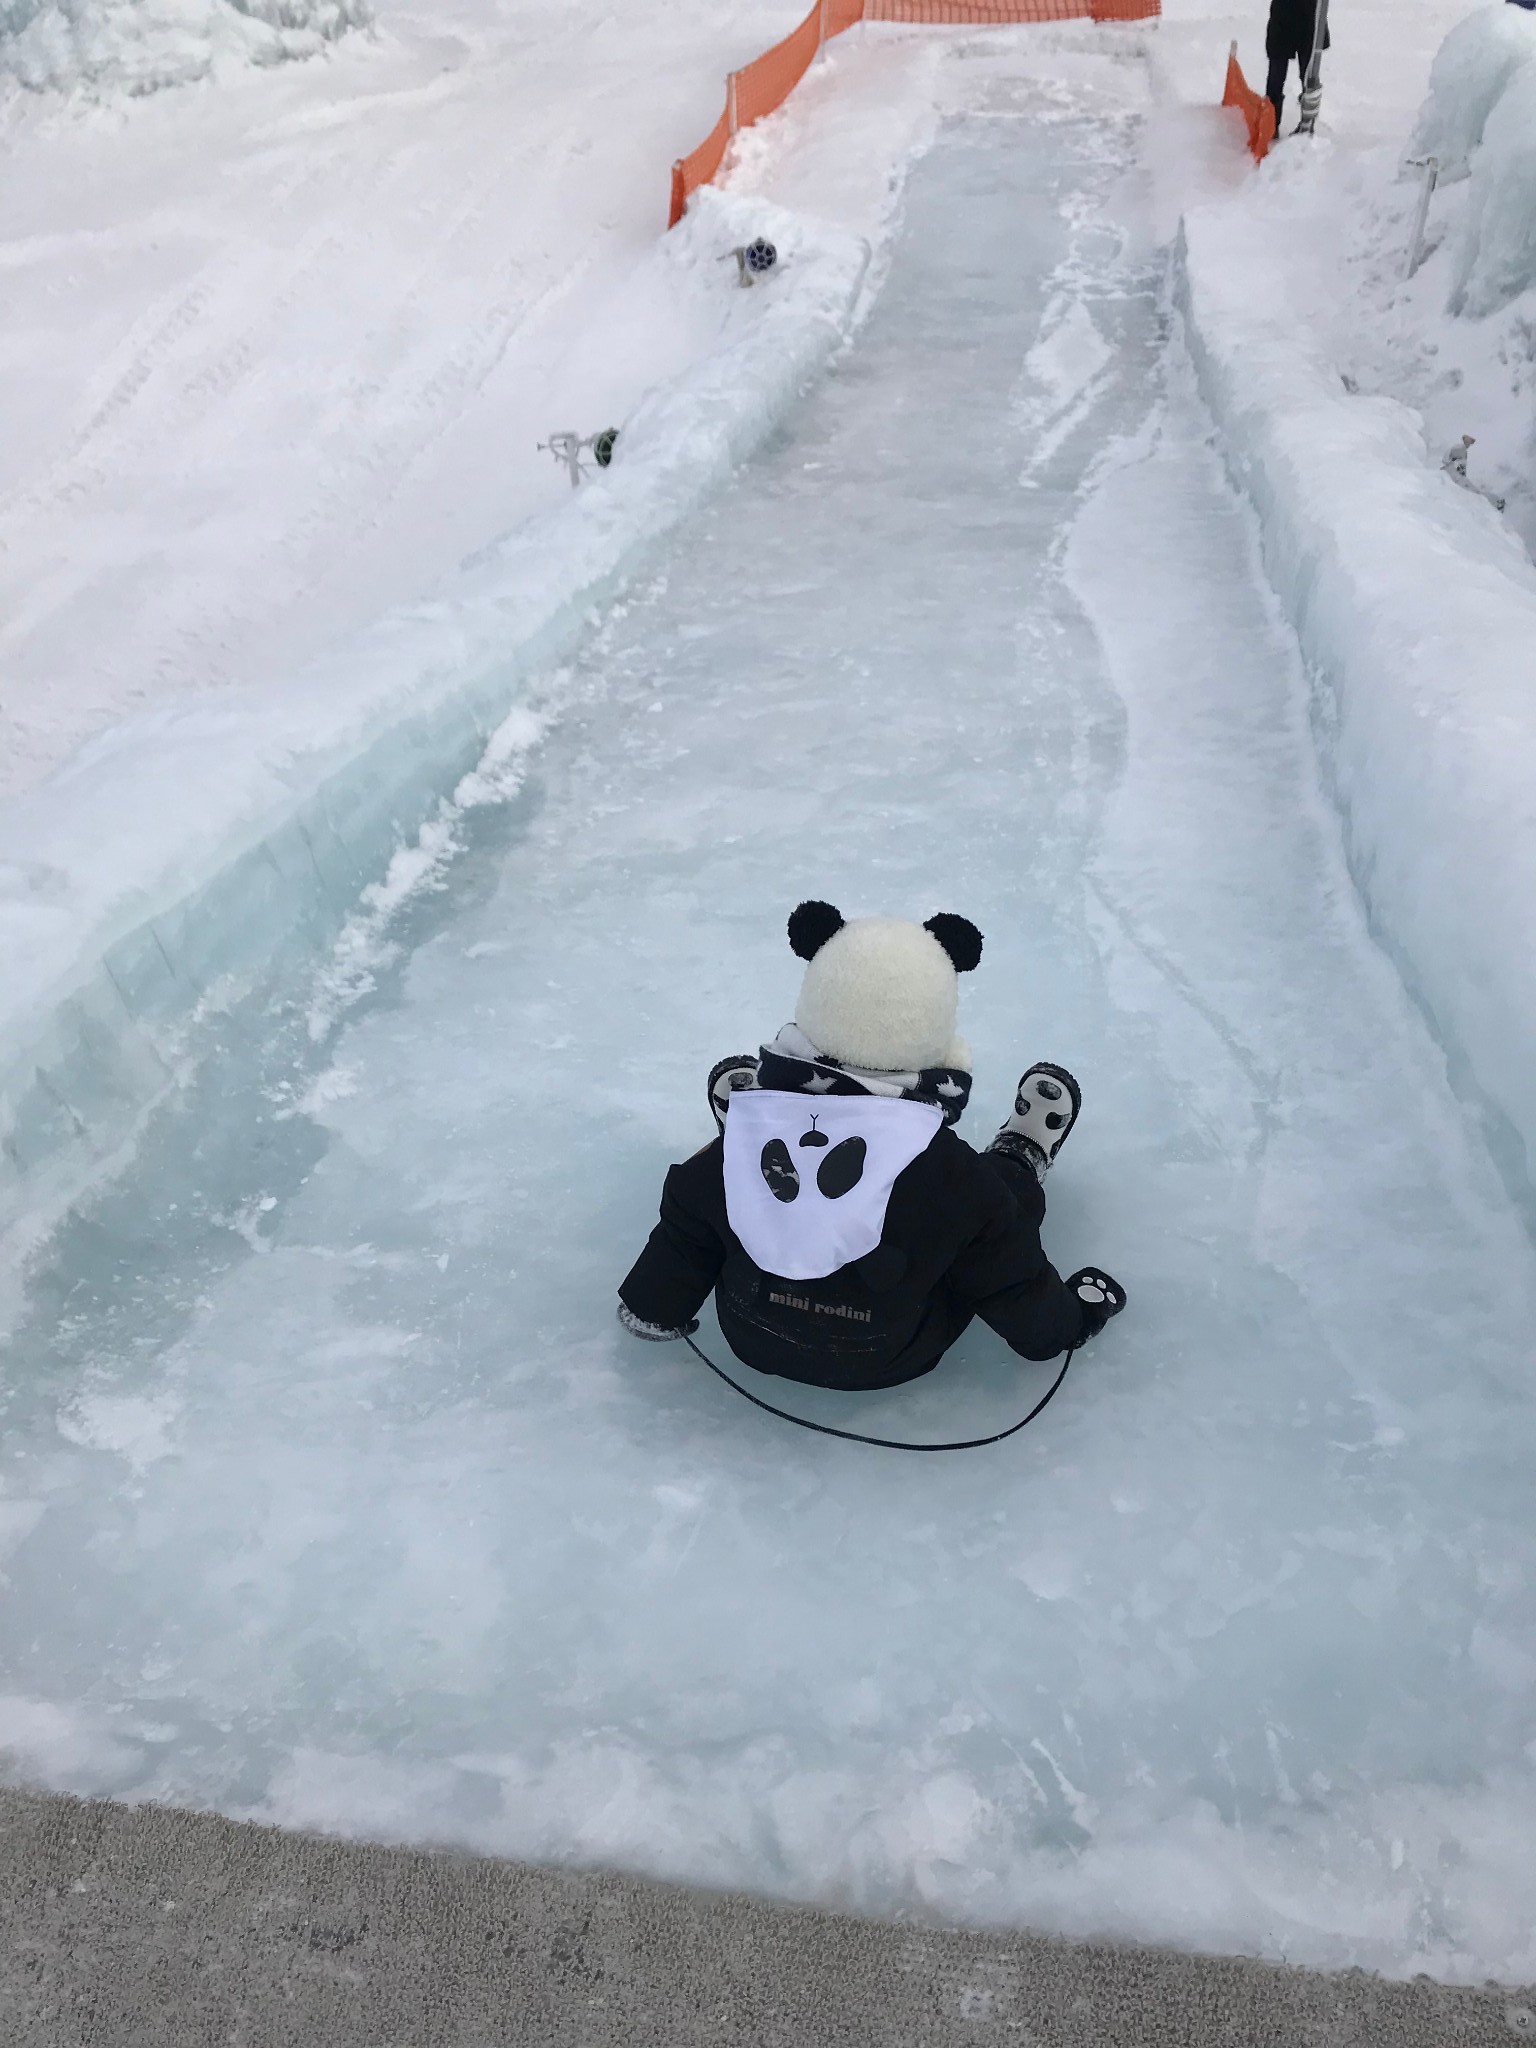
x,y
1098,1296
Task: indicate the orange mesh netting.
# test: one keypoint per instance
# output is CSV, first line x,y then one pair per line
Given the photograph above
x,y
1003,13
766,83
1258,112
769,81
690,172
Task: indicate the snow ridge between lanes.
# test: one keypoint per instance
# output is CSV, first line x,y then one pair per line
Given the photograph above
x,y
1416,610
174,858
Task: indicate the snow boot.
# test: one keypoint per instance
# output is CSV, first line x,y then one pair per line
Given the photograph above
x,y
725,1077
1044,1110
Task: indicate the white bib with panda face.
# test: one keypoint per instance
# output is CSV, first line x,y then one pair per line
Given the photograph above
x,y
808,1178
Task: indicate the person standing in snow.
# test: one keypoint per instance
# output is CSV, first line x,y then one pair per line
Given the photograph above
x,y
847,1234
1291,32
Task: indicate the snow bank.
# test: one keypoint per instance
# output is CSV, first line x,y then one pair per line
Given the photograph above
x,y
1417,610
1472,67
139,46
181,854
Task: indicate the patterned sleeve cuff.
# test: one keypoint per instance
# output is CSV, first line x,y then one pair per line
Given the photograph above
x,y
653,1333
1010,1145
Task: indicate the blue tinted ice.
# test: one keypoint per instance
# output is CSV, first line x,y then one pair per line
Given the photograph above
x,y
334,1494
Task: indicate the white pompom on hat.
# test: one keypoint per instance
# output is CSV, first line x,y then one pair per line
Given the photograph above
x,y
881,992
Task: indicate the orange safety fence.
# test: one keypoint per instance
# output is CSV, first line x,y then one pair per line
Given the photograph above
x,y
1258,112
765,84
1005,13
768,83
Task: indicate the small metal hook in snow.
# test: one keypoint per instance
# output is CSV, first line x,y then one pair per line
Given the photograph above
x,y
753,260
569,447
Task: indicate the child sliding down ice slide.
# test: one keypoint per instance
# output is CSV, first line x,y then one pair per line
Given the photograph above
x,y
847,1233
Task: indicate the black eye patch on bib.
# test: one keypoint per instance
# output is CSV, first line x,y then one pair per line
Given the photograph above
x,y
779,1171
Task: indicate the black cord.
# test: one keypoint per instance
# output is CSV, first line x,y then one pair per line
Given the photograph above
x,y
885,1443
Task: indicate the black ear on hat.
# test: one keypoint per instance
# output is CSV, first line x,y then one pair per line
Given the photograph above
x,y
959,938
811,925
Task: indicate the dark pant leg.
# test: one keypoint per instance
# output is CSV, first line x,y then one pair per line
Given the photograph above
x,y
1021,1181
1039,1317
952,1314
1279,64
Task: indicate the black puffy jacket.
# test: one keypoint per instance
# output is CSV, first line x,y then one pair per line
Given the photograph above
x,y
961,1238
1291,29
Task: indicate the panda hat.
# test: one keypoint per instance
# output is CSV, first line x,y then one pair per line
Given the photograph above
x,y
881,992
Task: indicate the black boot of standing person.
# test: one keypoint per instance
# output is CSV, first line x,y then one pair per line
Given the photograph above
x,y
1292,26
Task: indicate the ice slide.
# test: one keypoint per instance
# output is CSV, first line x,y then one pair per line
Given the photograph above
x,y
333,1494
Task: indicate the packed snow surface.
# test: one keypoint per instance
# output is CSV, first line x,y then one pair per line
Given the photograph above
x,y
278,347
332,1492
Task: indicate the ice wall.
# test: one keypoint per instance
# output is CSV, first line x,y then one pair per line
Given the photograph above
x,y
1417,610
140,46
1471,69
1479,122
176,859
1496,256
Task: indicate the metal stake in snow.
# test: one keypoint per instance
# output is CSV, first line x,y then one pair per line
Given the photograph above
x,y
1312,90
1430,165
569,448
